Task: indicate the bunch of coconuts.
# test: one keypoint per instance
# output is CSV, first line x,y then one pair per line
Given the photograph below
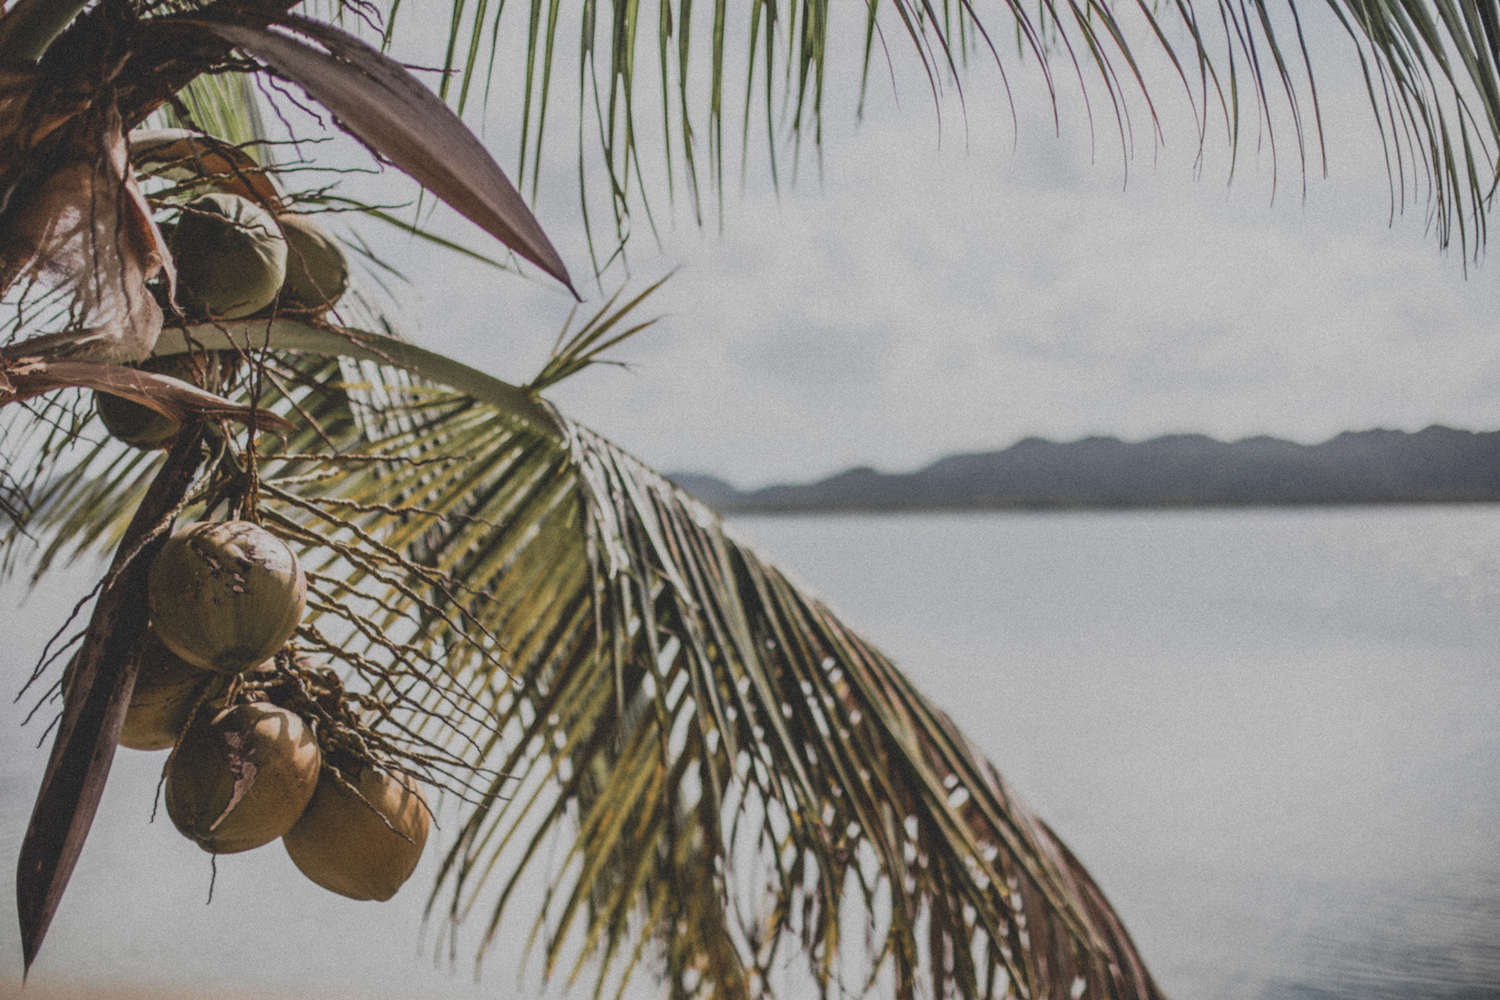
x,y
256,747
234,259
225,598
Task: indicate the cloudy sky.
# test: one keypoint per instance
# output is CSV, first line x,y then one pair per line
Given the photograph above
x,y
954,282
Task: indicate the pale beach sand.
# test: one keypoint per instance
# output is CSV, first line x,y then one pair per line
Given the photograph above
x,y
99,990
106,991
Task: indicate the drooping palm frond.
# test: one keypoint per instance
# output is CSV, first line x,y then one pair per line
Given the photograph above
x,y
735,773
582,652
1430,69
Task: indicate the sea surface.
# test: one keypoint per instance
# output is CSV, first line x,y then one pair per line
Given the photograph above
x,y
1272,735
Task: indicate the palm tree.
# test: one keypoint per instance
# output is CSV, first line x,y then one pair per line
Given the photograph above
x,y
533,622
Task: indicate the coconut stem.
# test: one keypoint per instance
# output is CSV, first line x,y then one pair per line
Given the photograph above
x,y
92,718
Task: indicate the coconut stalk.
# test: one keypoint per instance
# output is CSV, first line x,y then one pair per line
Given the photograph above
x,y
297,336
93,717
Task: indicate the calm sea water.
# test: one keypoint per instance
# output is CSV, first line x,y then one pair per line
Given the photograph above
x,y
1273,736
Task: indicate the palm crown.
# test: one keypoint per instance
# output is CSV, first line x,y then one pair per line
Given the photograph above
x,y
520,614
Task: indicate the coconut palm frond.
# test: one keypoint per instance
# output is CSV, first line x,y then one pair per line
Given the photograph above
x,y
726,764
734,774
731,772
226,106
581,652
1431,71
40,442
585,347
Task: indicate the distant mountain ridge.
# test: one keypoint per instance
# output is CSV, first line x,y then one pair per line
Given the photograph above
x,y
1438,464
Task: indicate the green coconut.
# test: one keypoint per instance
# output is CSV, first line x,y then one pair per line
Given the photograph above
x,y
226,595
166,689
138,425
230,256
317,272
242,778
360,848
135,424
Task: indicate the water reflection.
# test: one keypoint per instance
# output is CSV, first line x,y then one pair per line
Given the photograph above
x,y
1273,736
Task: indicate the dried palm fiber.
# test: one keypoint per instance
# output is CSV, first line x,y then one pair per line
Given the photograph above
x,y
84,226
142,426
180,155
16,86
172,397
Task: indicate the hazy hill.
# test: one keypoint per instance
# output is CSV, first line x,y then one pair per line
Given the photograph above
x,y
1435,465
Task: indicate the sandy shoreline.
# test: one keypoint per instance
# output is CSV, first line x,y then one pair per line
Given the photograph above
x,y
106,991
97,990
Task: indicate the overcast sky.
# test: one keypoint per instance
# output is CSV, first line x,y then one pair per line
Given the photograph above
x,y
959,284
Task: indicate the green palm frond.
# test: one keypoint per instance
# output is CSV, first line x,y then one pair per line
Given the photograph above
x,y
584,655
1429,66
585,347
223,106
701,718
1430,70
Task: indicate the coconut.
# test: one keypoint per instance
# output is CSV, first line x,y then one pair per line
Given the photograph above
x,y
363,849
141,426
166,689
136,425
230,255
242,778
226,595
317,272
